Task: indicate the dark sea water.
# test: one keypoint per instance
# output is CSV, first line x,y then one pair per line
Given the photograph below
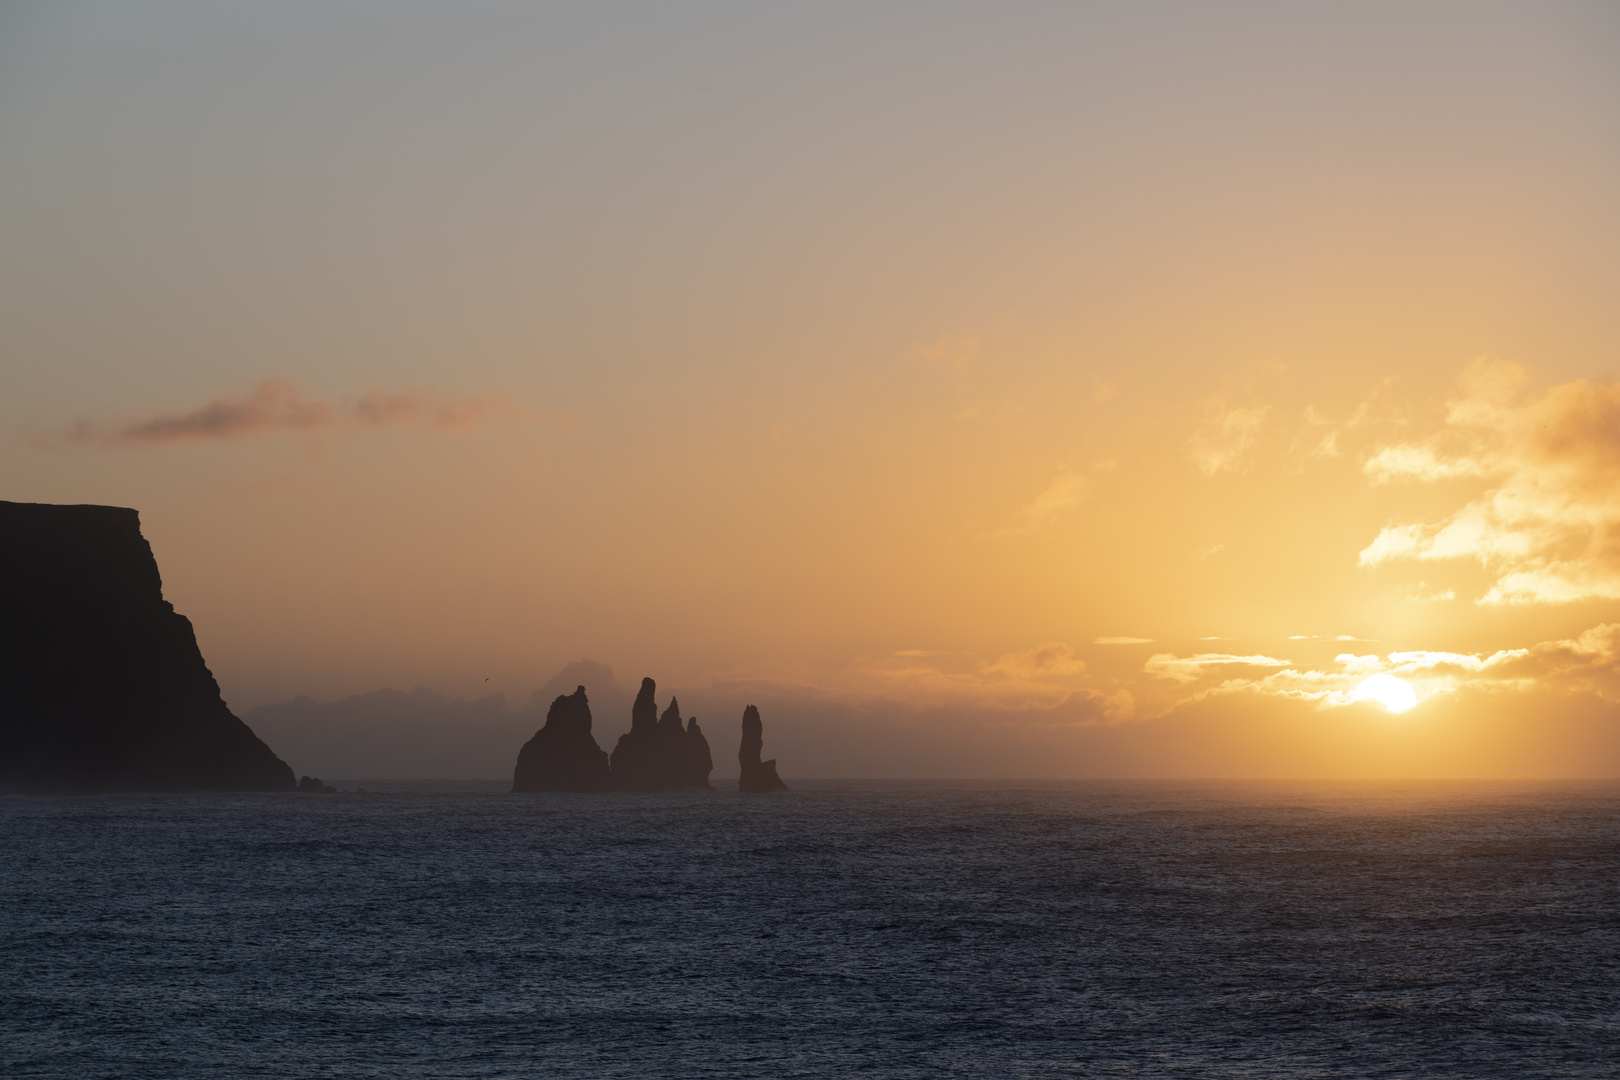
x,y
844,929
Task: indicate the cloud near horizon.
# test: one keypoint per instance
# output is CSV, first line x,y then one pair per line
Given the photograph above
x,y
1587,664
1186,669
279,406
1051,679
1549,528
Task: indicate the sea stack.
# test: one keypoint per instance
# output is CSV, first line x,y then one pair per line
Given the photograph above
x,y
693,762
660,753
756,775
102,686
563,755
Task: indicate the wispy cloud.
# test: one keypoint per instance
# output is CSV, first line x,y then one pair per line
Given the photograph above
x,y
1549,528
1223,442
380,408
1062,495
1186,669
278,406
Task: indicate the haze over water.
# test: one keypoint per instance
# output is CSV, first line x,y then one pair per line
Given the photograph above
x,y
886,929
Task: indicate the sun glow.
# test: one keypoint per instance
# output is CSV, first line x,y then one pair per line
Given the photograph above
x,y
1394,694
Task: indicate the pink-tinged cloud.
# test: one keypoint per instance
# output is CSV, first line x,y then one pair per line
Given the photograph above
x,y
277,406
274,405
379,408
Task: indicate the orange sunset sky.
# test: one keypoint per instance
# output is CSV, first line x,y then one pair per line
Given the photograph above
x,y
1014,389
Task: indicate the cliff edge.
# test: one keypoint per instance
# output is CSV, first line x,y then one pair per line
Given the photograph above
x,y
102,686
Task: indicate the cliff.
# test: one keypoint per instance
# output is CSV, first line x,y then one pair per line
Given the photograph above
x,y
660,753
563,755
756,775
102,686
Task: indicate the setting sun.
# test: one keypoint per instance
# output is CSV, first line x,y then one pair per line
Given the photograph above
x,y
1392,693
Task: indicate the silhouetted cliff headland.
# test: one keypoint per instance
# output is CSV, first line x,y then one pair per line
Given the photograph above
x,y
102,687
563,755
656,753
756,775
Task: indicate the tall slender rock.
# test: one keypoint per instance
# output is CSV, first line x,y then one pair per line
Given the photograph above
x,y
102,686
660,752
563,755
636,762
756,775
644,712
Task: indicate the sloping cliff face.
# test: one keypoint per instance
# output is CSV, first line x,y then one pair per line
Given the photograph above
x,y
756,775
660,753
102,686
563,755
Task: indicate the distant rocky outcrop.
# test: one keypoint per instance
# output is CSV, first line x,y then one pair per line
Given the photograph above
x,y
756,775
102,686
693,762
660,753
563,755
313,786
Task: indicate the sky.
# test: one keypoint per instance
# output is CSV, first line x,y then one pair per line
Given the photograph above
x,y
1016,389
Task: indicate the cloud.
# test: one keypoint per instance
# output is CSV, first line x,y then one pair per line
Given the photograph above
x,y
1223,443
1061,495
1066,492
1052,660
1416,462
379,408
278,406
1587,664
1050,678
1549,527
273,405
1186,669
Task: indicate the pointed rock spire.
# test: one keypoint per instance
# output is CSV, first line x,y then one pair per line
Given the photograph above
x,y
660,753
696,761
756,775
644,713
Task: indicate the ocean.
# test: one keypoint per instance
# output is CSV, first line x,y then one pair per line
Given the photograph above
x,y
845,928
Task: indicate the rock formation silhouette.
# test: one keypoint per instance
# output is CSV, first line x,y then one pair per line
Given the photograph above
x,y
689,760
102,686
563,755
698,762
313,786
756,775
660,753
